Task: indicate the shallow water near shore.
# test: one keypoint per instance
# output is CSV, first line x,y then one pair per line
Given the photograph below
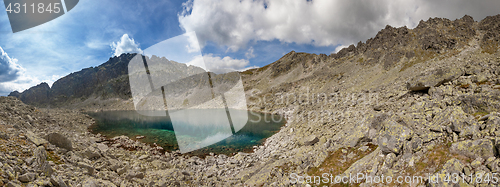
x,y
160,130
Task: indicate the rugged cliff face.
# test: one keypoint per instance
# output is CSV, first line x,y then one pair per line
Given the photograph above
x,y
108,80
37,95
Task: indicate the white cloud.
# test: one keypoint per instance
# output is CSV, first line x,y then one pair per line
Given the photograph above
x,y
193,45
337,49
24,82
125,45
217,64
9,69
96,44
249,54
14,77
319,22
197,61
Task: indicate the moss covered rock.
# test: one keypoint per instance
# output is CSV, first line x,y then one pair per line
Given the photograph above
x,y
474,148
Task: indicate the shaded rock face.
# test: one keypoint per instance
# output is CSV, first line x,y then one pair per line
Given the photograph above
x,y
108,80
482,102
37,95
491,25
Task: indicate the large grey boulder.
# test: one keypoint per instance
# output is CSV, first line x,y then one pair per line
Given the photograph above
x,y
393,136
433,78
474,148
453,117
41,163
35,139
60,141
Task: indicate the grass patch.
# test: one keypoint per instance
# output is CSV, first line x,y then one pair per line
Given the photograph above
x,y
361,60
480,114
420,56
337,162
489,47
465,86
51,156
482,82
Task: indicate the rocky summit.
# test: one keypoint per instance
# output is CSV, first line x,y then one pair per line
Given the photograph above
x,y
409,102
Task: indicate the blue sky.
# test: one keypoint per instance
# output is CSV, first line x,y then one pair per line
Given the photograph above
x,y
238,34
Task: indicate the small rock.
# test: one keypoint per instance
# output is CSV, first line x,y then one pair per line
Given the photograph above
x,y
57,181
89,183
102,147
389,160
476,163
467,170
364,148
12,184
132,174
310,140
379,107
89,168
121,171
114,164
91,153
485,117
27,177
142,157
139,137
494,165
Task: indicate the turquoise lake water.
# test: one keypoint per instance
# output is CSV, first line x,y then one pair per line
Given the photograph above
x,y
160,130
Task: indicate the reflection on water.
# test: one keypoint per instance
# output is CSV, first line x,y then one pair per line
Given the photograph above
x,y
159,130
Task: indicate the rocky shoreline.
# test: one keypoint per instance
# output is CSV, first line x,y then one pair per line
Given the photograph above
x,y
35,153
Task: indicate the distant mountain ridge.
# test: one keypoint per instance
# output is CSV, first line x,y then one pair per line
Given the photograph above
x,y
391,48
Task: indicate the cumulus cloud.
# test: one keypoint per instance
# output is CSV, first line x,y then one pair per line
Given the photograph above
x,y
319,22
14,77
125,45
340,47
249,54
9,69
216,64
24,82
